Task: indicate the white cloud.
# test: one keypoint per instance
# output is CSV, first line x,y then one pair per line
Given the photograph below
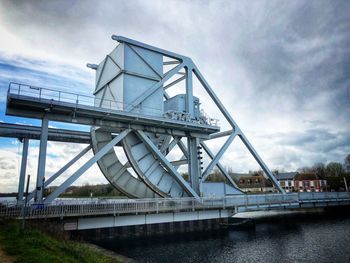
x,y
280,69
58,154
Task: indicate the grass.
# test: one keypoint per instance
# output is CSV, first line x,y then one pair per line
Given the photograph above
x,y
32,245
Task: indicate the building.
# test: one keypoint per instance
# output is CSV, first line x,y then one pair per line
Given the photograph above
x,y
253,183
286,180
309,182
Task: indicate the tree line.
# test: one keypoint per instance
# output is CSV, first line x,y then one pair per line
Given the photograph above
x,y
333,172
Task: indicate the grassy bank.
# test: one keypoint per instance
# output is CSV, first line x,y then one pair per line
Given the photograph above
x,y
32,245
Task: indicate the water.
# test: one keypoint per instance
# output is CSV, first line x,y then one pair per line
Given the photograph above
x,y
318,236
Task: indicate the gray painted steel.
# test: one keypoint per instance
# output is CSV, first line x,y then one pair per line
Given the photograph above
x,y
115,172
60,171
130,95
42,160
22,174
122,208
86,166
20,131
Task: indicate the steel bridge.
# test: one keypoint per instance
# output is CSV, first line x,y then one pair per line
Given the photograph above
x,y
90,214
132,108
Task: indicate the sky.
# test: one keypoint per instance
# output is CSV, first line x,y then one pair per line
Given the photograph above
x,y
281,68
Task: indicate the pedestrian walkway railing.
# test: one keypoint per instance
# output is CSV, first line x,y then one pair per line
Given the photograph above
x,y
60,97
89,207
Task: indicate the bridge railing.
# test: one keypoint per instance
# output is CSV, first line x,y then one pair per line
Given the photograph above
x,y
67,208
61,97
307,196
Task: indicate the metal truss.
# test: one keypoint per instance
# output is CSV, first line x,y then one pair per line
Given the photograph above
x,y
186,63
133,129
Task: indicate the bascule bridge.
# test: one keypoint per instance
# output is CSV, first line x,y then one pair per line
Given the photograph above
x,y
131,108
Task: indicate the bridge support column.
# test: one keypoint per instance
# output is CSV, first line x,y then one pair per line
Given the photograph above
x,y
42,160
22,174
194,168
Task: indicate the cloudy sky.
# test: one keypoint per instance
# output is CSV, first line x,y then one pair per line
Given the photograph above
x,y
280,67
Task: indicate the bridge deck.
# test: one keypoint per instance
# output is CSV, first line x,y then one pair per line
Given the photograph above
x,y
36,102
119,207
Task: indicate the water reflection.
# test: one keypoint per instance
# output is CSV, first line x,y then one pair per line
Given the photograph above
x,y
321,236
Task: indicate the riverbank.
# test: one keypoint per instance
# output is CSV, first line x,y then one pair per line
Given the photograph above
x,y
32,245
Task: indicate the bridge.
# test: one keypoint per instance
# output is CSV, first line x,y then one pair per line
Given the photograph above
x,y
133,109
109,213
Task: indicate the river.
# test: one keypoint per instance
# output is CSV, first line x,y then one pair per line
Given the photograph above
x,y
317,236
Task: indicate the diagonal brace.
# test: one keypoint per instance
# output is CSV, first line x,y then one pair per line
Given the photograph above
x,y
174,82
154,88
213,163
105,149
167,164
261,163
62,170
171,145
219,165
215,98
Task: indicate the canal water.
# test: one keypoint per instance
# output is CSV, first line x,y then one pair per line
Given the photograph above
x,y
317,236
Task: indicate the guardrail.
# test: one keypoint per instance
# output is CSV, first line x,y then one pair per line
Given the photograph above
x,y
59,96
87,207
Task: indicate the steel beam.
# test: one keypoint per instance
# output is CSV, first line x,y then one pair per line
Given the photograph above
x,y
154,88
234,125
164,52
219,134
105,149
42,160
221,168
183,148
192,143
194,170
189,91
33,132
174,82
22,174
141,57
172,145
62,170
261,163
173,62
88,115
179,162
165,144
215,99
167,164
217,157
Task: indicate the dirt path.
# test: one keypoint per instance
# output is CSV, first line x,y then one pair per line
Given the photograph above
x,y
5,258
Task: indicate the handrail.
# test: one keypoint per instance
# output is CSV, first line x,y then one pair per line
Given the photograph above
x,y
60,207
82,99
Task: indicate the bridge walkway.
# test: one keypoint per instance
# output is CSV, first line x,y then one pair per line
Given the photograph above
x,y
118,207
